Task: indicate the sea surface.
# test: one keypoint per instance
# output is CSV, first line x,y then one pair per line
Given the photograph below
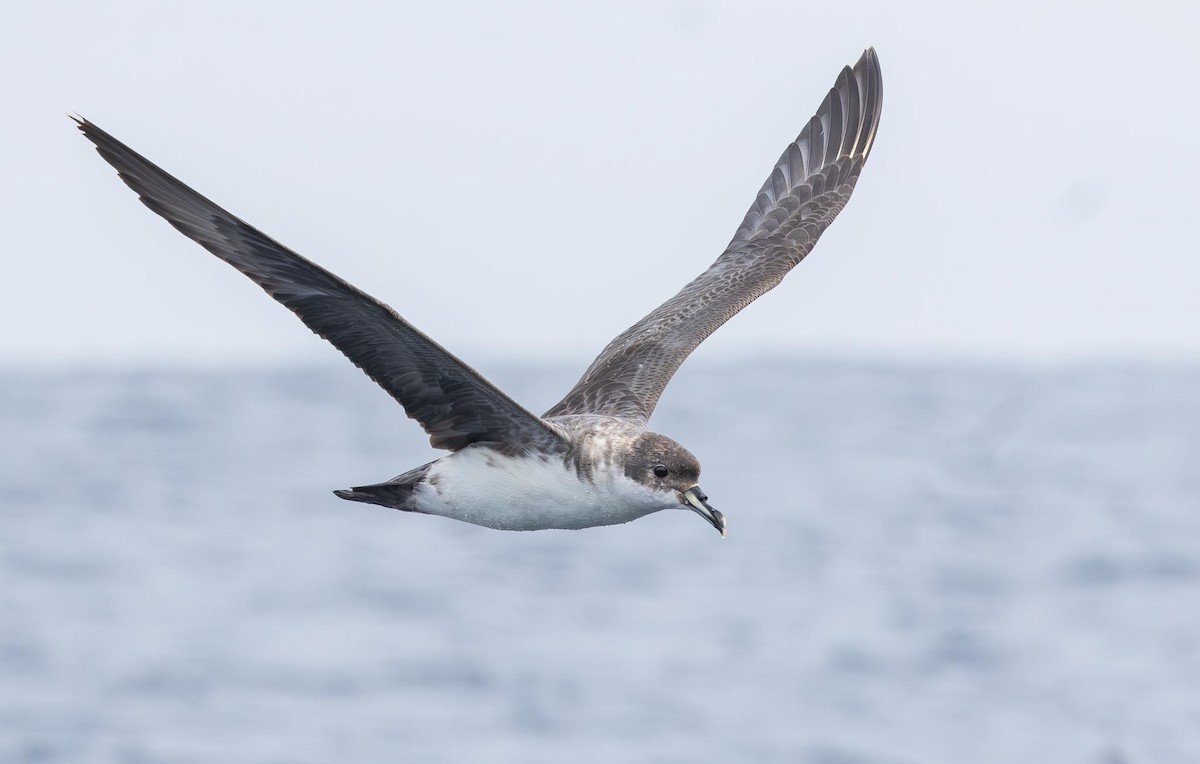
x,y
925,564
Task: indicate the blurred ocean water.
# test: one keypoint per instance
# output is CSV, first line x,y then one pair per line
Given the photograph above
x,y
925,564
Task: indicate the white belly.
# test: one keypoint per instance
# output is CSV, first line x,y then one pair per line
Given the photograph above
x,y
482,487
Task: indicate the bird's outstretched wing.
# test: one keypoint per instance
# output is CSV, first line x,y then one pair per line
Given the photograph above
x,y
451,401
809,186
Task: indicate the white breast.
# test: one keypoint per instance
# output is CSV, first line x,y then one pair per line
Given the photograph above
x,y
481,486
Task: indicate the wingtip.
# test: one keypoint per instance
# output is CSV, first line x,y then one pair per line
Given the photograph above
x,y
868,60
83,125
869,75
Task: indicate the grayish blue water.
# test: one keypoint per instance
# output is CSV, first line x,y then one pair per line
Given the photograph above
x,y
924,565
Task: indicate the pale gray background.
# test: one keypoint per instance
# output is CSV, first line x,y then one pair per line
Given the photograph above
x,y
483,166
957,448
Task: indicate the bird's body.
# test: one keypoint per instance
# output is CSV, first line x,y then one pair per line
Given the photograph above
x,y
591,460
582,486
532,492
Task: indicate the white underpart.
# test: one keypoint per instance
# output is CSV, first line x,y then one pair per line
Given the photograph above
x,y
533,492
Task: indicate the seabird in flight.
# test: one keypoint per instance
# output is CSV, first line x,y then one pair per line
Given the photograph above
x,y
591,459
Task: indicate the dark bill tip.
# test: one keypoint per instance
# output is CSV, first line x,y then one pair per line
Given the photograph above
x,y
696,501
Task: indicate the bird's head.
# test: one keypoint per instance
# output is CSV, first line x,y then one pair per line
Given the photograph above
x,y
668,469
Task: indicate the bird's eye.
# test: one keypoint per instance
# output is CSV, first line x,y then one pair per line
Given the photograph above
x,y
661,471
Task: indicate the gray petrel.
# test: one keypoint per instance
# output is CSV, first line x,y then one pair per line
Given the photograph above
x,y
591,459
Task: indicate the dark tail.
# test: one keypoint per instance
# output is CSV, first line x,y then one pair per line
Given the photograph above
x,y
395,493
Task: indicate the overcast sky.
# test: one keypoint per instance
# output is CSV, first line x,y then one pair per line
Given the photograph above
x,y
526,180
